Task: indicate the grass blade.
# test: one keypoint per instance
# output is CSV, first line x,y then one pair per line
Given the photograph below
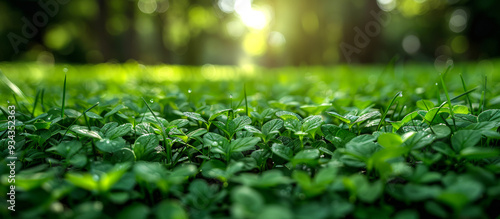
x,y
34,104
447,95
483,95
246,101
12,86
41,99
168,150
468,98
72,123
399,94
63,97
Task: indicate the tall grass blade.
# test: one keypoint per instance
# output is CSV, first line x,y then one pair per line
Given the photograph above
x,y
399,94
34,104
246,101
468,98
447,95
13,87
72,123
484,92
168,150
41,99
63,97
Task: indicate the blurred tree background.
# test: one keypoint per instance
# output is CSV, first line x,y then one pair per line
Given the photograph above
x,y
270,33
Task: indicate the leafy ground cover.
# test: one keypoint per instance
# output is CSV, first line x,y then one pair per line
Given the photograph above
x,y
131,141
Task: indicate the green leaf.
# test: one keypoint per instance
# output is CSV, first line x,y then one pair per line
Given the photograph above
x,y
218,113
389,140
177,123
293,125
415,192
307,156
238,124
460,109
81,130
123,155
115,110
93,115
285,115
107,180
253,130
170,210
216,141
437,115
455,200
338,136
276,212
197,133
406,119
362,146
135,210
419,140
79,160
479,153
41,124
338,116
243,144
119,131
67,148
272,127
489,115
441,131
268,179
110,146
365,117
483,126
369,192
311,123
246,202
465,138
425,104
195,116
282,151
149,172
85,181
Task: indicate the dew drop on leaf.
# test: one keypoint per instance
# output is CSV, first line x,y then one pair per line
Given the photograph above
x,y
151,101
189,91
65,70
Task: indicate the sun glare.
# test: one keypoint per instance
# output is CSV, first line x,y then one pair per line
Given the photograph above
x,y
254,18
251,17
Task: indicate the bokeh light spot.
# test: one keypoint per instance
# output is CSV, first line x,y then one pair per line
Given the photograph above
x,y
226,6
459,44
254,44
458,21
147,6
411,44
386,5
276,39
57,38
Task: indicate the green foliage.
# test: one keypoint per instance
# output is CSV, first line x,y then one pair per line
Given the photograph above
x,y
295,157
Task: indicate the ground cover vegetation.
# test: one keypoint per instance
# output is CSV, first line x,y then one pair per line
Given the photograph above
x,y
132,141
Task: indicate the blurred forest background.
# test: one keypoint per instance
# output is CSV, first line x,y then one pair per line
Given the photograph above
x,y
270,33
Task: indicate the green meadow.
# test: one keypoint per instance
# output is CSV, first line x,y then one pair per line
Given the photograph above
x,y
134,141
